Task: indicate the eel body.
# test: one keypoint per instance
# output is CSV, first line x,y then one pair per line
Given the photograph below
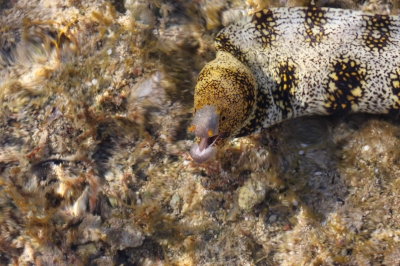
x,y
288,62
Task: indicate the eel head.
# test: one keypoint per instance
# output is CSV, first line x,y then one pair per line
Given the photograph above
x,y
205,127
224,100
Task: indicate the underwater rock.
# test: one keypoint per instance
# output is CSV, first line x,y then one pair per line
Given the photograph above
x,y
122,234
149,89
175,201
251,193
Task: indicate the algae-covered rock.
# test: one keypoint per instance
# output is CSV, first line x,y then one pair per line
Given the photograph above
x,y
251,193
96,98
121,234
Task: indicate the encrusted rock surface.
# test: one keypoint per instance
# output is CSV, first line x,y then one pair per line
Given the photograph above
x,y
96,98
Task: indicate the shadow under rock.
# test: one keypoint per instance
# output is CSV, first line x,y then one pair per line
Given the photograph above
x,y
306,162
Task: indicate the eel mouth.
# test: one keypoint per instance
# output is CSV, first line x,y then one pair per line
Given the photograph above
x,y
205,150
207,142
205,126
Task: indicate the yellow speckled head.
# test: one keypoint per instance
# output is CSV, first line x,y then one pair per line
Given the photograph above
x,y
229,85
226,91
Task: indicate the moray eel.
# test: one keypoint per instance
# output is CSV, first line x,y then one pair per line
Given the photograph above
x,y
289,62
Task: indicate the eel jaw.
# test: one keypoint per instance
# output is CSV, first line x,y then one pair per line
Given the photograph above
x,y
205,126
203,151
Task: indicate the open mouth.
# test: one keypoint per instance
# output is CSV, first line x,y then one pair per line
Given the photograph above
x,y
207,142
205,126
204,150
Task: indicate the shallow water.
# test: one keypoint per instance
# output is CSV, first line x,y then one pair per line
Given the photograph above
x,y
94,164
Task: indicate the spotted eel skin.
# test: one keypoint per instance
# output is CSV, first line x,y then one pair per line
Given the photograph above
x,y
289,62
